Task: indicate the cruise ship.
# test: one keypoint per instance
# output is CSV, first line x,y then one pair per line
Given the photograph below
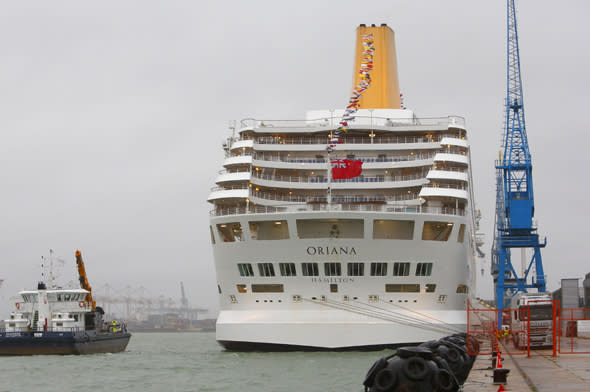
x,y
377,255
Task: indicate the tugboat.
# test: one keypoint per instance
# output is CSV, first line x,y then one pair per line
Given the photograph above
x,y
61,321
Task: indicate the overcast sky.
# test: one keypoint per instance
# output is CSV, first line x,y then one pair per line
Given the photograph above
x,y
112,115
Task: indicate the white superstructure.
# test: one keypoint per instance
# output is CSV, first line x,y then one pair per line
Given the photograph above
x,y
382,259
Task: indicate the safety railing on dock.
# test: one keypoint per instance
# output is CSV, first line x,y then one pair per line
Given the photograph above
x,y
565,331
572,338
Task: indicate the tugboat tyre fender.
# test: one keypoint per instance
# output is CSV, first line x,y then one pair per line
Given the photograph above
x,y
385,380
444,381
415,368
381,363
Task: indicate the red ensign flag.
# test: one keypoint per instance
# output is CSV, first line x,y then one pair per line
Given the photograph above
x,y
346,168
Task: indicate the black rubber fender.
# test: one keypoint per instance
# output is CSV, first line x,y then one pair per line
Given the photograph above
x,y
454,355
379,364
385,380
445,381
415,368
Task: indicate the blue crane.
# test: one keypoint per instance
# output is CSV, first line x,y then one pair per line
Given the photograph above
x,y
515,206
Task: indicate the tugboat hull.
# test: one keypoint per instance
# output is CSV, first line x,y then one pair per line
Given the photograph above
x,y
62,343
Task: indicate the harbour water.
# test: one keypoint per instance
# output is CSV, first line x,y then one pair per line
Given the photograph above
x,y
179,362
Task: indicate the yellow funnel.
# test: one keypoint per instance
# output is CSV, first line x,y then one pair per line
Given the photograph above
x,y
384,90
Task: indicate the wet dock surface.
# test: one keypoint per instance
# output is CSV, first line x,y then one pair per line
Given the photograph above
x,y
568,371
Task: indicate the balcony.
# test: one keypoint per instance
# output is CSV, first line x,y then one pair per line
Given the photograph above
x,y
262,197
398,161
238,160
329,120
456,191
356,143
448,174
317,182
220,193
451,157
454,141
241,144
335,207
225,177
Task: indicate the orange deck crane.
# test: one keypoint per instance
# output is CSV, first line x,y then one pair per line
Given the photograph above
x,y
84,280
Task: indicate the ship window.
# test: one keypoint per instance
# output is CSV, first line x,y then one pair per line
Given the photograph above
x,y
219,289
462,289
437,231
269,230
330,228
333,288
401,269
393,229
332,269
310,269
230,232
287,269
461,236
402,288
266,269
245,269
212,236
378,269
430,288
356,269
30,297
267,288
423,269
242,288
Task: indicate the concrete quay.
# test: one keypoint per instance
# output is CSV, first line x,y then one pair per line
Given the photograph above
x,y
541,372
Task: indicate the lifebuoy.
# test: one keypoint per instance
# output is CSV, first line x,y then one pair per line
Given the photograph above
x,y
82,304
17,304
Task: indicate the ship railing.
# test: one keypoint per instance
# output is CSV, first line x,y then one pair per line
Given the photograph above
x,y
231,171
451,169
333,121
335,199
321,179
26,331
323,206
453,150
371,139
246,153
228,188
347,140
400,158
446,186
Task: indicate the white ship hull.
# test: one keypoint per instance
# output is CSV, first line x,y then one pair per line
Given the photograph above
x,y
361,314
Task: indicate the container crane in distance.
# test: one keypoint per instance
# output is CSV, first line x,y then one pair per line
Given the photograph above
x,y
515,206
